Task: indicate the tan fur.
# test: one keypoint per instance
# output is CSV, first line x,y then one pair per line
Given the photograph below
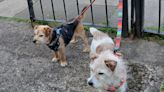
x,y
46,31
43,33
80,32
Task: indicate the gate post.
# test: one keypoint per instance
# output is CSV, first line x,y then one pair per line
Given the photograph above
x,y
142,16
125,27
31,10
137,15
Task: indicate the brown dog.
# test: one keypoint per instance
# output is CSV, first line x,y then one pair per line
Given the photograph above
x,y
58,38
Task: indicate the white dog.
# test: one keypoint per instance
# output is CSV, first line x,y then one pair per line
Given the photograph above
x,y
108,71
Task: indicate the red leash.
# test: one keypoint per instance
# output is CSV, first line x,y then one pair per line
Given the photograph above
x,y
84,10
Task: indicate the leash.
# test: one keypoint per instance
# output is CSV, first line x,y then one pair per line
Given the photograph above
x,y
84,11
119,26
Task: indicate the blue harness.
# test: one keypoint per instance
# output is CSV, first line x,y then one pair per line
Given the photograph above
x,y
66,31
54,44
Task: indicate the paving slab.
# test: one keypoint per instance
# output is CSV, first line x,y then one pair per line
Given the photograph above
x,y
10,8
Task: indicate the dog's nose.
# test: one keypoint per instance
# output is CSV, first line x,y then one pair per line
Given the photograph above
x,y
90,83
34,41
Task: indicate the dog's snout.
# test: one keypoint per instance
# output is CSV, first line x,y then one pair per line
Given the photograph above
x,y
90,83
34,41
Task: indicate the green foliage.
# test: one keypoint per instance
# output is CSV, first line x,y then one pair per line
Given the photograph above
x,y
152,37
162,88
14,19
155,28
111,31
162,28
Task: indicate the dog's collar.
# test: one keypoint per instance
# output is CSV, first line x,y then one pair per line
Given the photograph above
x,y
113,88
54,43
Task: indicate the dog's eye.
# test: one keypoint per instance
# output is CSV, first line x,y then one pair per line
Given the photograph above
x,y
40,35
100,73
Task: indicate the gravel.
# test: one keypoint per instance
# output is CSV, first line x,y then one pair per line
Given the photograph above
x,y
25,67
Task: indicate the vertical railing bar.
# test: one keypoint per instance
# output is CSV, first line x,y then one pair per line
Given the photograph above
x,y
31,10
92,13
41,8
159,25
142,16
125,24
106,10
132,15
53,11
65,10
77,3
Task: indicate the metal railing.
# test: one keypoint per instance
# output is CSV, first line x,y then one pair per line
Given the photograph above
x,y
33,18
137,18
137,15
64,4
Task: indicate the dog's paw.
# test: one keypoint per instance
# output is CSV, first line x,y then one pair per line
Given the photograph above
x,y
73,41
63,64
54,59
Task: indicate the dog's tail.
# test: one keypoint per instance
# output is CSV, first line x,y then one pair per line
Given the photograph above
x,y
82,14
78,19
93,30
73,23
97,33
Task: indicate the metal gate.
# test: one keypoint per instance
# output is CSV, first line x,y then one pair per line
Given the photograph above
x,y
137,15
64,6
140,16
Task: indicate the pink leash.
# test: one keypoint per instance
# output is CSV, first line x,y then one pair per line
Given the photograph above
x,y
84,10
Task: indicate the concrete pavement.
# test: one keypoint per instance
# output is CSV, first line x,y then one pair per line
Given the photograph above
x,y
10,8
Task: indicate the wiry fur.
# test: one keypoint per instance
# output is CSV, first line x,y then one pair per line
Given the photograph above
x,y
43,35
103,75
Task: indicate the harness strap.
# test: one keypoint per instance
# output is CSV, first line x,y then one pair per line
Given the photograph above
x,y
119,26
58,31
54,45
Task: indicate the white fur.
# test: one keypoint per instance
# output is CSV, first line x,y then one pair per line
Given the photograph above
x,y
96,42
109,78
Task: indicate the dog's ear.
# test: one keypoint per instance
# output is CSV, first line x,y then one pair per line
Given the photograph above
x,y
111,64
93,56
47,31
99,49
